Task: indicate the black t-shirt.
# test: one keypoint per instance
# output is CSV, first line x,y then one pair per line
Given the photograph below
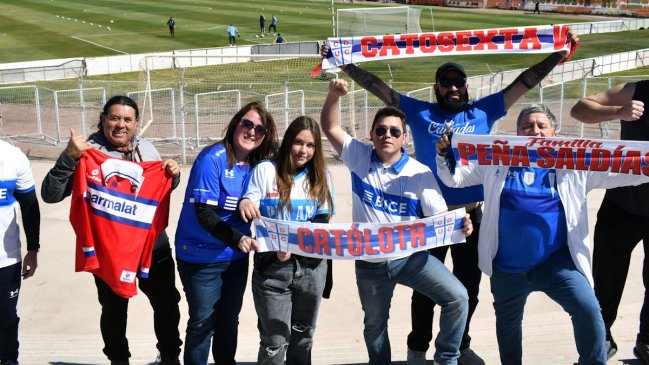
x,y
634,199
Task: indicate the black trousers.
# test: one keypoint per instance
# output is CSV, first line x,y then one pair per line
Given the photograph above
x,y
617,232
465,268
160,288
9,289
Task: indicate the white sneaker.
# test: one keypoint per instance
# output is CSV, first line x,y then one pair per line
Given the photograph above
x,y
468,357
416,357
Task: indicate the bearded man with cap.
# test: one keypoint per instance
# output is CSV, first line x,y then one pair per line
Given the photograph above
x,y
427,123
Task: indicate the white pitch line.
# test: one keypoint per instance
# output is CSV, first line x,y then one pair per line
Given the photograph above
x,y
98,45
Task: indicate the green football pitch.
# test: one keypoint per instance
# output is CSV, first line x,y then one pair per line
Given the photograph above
x,y
45,29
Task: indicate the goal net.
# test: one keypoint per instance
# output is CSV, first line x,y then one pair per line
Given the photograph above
x,y
189,101
377,21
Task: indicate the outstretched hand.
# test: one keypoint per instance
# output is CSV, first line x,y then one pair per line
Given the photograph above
x,y
77,145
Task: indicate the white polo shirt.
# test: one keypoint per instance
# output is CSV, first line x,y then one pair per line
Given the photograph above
x,y
15,176
405,191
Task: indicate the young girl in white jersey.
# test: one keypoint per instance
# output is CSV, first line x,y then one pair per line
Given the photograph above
x,y
287,288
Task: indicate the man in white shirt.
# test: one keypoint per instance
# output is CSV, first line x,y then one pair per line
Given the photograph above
x,y
389,186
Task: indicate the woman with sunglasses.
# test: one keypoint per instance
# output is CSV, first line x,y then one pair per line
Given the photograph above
x,y
212,242
287,288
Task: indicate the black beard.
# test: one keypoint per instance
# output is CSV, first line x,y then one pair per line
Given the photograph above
x,y
452,105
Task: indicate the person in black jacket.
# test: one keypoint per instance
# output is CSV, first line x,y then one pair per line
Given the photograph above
x,y
116,136
622,217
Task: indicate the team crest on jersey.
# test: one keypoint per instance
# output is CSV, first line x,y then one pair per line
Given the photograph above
x,y
124,169
528,177
229,173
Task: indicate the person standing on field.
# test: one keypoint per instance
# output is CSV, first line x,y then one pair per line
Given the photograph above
x,y
232,32
172,26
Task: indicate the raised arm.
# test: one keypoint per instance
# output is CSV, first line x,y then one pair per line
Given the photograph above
x,y
329,121
369,82
57,184
533,75
614,103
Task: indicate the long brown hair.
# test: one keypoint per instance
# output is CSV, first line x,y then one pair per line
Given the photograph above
x,y
316,182
267,147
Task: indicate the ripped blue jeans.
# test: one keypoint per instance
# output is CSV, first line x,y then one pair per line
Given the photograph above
x,y
287,297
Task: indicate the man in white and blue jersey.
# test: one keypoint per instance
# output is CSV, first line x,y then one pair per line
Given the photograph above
x,y
534,237
16,189
389,186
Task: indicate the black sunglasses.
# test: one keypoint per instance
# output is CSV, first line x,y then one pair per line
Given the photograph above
x,y
458,82
259,129
382,131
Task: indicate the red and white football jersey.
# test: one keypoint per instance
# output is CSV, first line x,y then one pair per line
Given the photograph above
x,y
118,210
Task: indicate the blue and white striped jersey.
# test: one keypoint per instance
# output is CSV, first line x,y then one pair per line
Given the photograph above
x,y
15,177
262,189
404,191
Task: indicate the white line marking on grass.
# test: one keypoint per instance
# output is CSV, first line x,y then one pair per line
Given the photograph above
x,y
98,45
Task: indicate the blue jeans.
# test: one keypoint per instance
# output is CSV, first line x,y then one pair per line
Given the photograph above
x,y
562,282
425,274
466,270
214,295
287,298
9,289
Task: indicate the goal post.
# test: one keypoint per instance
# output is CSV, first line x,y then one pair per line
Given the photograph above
x,y
191,106
377,21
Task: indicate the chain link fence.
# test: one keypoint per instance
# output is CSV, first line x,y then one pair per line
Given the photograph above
x,y
181,113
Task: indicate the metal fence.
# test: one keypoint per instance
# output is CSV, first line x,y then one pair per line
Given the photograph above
x,y
182,119
57,69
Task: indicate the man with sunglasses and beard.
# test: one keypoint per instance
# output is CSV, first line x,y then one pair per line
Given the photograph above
x,y
427,123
